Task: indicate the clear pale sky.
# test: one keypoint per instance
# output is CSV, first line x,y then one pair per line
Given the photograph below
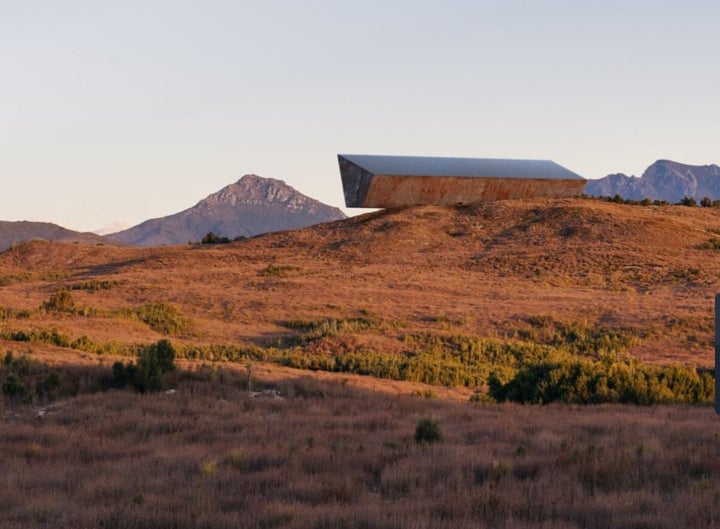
x,y
120,111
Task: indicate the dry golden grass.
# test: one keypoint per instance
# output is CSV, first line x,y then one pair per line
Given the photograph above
x,y
475,270
338,450
313,454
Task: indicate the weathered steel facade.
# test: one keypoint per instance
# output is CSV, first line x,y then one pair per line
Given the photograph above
x,y
397,181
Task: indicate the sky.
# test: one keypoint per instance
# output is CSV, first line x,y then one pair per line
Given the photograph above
x,y
112,113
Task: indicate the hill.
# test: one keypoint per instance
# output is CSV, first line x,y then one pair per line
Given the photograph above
x,y
14,232
251,206
410,281
663,180
469,299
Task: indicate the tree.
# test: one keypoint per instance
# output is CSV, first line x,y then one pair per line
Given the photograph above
x,y
706,202
211,238
153,363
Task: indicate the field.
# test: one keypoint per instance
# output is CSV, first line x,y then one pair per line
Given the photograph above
x,y
309,453
449,310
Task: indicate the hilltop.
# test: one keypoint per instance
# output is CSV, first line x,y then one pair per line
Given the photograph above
x,y
509,270
246,208
12,232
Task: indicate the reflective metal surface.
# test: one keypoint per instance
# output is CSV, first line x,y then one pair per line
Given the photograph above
x,y
371,181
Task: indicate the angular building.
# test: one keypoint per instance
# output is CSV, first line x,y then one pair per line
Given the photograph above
x,y
397,181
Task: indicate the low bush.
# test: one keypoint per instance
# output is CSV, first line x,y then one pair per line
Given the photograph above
x,y
60,301
160,317
428,431
711,244
278,270
592,382
24,380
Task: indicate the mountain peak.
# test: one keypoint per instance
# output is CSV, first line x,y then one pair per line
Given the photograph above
x,y
254,190
248,207
677,166
663,180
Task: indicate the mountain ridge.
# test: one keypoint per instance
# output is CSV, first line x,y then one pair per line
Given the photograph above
x,y
12,232
663,180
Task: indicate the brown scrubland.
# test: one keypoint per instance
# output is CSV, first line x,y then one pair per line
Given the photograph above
x,y
355,332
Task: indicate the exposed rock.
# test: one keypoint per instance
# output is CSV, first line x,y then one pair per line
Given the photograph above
x,y
251,206
663,180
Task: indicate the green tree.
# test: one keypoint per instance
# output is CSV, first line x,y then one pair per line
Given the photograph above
x,y
211,238
154,362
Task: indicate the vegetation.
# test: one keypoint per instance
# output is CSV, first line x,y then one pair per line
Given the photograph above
x,y
27,381
711,244
278,270
7,313
618,199
554,361
324,454
594,382
428,431
95,285
154,362
60,301
160,317
211,238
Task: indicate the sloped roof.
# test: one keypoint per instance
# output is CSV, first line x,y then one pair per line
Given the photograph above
x,y
372,181
461,167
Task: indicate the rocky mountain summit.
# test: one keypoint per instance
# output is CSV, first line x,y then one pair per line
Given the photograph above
x,y
251,206
663,180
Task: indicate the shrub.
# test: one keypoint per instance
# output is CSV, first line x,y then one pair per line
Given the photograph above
x,y
711,244
154,362
428,431
607,381
211,238
277,270
95,285
60,301
688,201
160,317
13,386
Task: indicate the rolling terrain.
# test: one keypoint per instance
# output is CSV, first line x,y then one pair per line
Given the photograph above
x,y
13,232
492,271
270,434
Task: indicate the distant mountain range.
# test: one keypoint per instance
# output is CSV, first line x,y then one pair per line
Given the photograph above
x,y
251,206
255,205
663,180
12,232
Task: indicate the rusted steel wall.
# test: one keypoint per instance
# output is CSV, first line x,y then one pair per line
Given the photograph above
x,y
400,191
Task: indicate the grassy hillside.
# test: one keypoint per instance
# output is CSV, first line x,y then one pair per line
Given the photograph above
x,y
446,308
515,270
